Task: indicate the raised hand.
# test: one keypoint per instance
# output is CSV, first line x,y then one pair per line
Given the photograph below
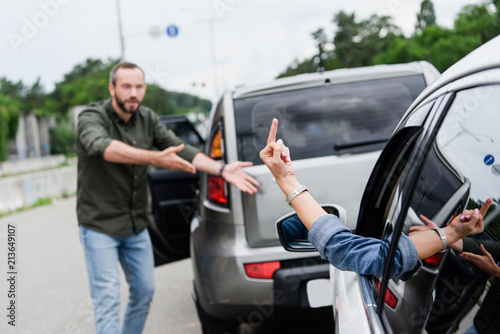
x,y
276,155
484,262
234,174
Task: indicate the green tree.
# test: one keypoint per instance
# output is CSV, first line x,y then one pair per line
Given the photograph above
x,y
62,139
321,40
477,21
426,17
186,103
34,99
357,43
31,98
13,90
10,112
159,100
402,50
344,39
377,41
440,46
299,67
85,83
88,82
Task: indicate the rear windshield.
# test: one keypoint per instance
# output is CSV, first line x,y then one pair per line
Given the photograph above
x,y
326,120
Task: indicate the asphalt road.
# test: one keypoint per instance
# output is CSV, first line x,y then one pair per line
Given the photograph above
x,y
50,292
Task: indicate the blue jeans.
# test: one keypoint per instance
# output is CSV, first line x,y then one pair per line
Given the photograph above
x,y
135,254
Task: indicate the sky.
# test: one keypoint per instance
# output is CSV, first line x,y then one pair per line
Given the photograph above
x,y
220,44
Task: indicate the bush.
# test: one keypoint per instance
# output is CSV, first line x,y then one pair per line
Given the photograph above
x,y
62,140
9,118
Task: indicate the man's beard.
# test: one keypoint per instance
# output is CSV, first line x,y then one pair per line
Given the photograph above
x,y
122,106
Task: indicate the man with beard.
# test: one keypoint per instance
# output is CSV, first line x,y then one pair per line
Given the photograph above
x,y
114,142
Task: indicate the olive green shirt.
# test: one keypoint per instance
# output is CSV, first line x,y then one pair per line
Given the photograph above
x,y
112,198
474,246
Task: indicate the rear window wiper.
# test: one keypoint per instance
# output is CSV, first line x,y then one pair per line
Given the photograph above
x,y
345,146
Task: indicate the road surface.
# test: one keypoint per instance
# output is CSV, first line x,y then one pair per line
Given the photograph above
x,y
49,293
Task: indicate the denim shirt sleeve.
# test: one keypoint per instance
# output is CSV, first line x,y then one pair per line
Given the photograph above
x,y
366,256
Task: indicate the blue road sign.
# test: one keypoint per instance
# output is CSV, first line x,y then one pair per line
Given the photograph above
x,y
172,30
489,160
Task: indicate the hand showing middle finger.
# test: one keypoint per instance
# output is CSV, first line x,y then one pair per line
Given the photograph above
x,y
273,131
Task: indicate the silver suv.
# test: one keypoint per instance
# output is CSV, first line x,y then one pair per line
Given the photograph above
x,y
336,124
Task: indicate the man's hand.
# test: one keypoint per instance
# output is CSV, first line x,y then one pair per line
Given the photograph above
x,y
234,174
119,152
484,262
168,159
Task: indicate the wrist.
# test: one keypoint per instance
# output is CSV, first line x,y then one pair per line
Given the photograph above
x,y
452,235
442,236
153,158
288,184
497,272
221,170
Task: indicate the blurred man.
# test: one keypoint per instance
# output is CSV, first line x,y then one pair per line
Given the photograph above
x,y
114,142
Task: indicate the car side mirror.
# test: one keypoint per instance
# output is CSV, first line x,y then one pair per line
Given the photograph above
x,y
293,234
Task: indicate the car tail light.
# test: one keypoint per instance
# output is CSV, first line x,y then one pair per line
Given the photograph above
x,y
433,260
216,145
261,269
390,299
217,190
217,187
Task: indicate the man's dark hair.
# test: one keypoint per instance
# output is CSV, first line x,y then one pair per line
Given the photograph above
x,y
123,64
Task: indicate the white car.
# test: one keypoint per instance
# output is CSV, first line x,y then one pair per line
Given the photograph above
x,y
443,157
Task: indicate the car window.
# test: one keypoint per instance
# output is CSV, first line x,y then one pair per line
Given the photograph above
x,y
459,170
382,189
462,164
468,141
326,120
184,130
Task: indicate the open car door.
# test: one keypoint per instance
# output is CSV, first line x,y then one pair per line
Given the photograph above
x,y
173,197
437,171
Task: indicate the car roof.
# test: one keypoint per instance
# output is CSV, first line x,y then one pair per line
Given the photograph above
x,y
337,76
483,58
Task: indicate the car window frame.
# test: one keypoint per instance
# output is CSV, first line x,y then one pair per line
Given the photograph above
x,y
410,178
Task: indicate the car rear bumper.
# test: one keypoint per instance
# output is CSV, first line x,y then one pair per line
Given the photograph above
x,y
224,290
291,285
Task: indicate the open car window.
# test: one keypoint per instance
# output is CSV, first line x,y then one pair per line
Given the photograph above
x,y
456,168
461,169
461,166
